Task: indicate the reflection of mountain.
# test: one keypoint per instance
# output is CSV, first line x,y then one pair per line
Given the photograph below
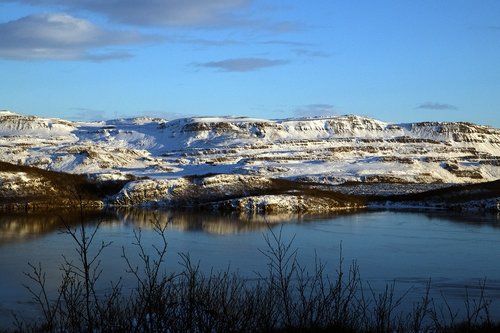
x,y
193,221
475,219
17,226
22,226
212,222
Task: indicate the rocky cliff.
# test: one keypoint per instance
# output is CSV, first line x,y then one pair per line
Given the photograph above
x,y
331,150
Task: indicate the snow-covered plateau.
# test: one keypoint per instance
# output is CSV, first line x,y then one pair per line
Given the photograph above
x,y
186,160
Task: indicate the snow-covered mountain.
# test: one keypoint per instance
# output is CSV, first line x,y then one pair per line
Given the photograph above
x,y
331,150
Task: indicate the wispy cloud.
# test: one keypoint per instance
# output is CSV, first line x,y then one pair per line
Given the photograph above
x,y
280,27
152,12
315,110
243,64
208,42
168,115
176,13
62,36
310,53
166,12
285,43
301,49
436,106
86,114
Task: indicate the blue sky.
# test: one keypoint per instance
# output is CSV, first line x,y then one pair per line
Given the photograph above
x,y
397,61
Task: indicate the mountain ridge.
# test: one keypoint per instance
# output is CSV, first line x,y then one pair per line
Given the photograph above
x,y
244,165
327,149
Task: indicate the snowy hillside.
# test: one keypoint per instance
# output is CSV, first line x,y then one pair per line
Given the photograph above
x,y
329,150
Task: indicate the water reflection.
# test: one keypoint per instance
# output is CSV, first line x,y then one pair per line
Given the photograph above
x,y
193,221
212,222
19,226
473,219
453,249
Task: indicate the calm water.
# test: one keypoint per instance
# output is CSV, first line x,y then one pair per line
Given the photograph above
x,y
409,248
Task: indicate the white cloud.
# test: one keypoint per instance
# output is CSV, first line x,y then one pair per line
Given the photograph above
x,y
166,12
302,52
315,110
87,114
154,12
436,106
286,43
62,36
243,64
176,13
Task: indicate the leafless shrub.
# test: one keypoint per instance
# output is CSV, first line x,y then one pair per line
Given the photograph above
x,y
287,297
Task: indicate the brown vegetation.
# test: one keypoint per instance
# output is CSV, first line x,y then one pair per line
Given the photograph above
x,y
55,189
452,194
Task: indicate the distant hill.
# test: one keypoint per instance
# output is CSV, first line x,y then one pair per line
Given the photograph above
x,y
331,150
246,165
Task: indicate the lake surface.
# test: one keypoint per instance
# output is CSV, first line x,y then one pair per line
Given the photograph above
x,y
453,250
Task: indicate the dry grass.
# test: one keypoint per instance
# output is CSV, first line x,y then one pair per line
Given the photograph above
x,y
66,189
452,194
